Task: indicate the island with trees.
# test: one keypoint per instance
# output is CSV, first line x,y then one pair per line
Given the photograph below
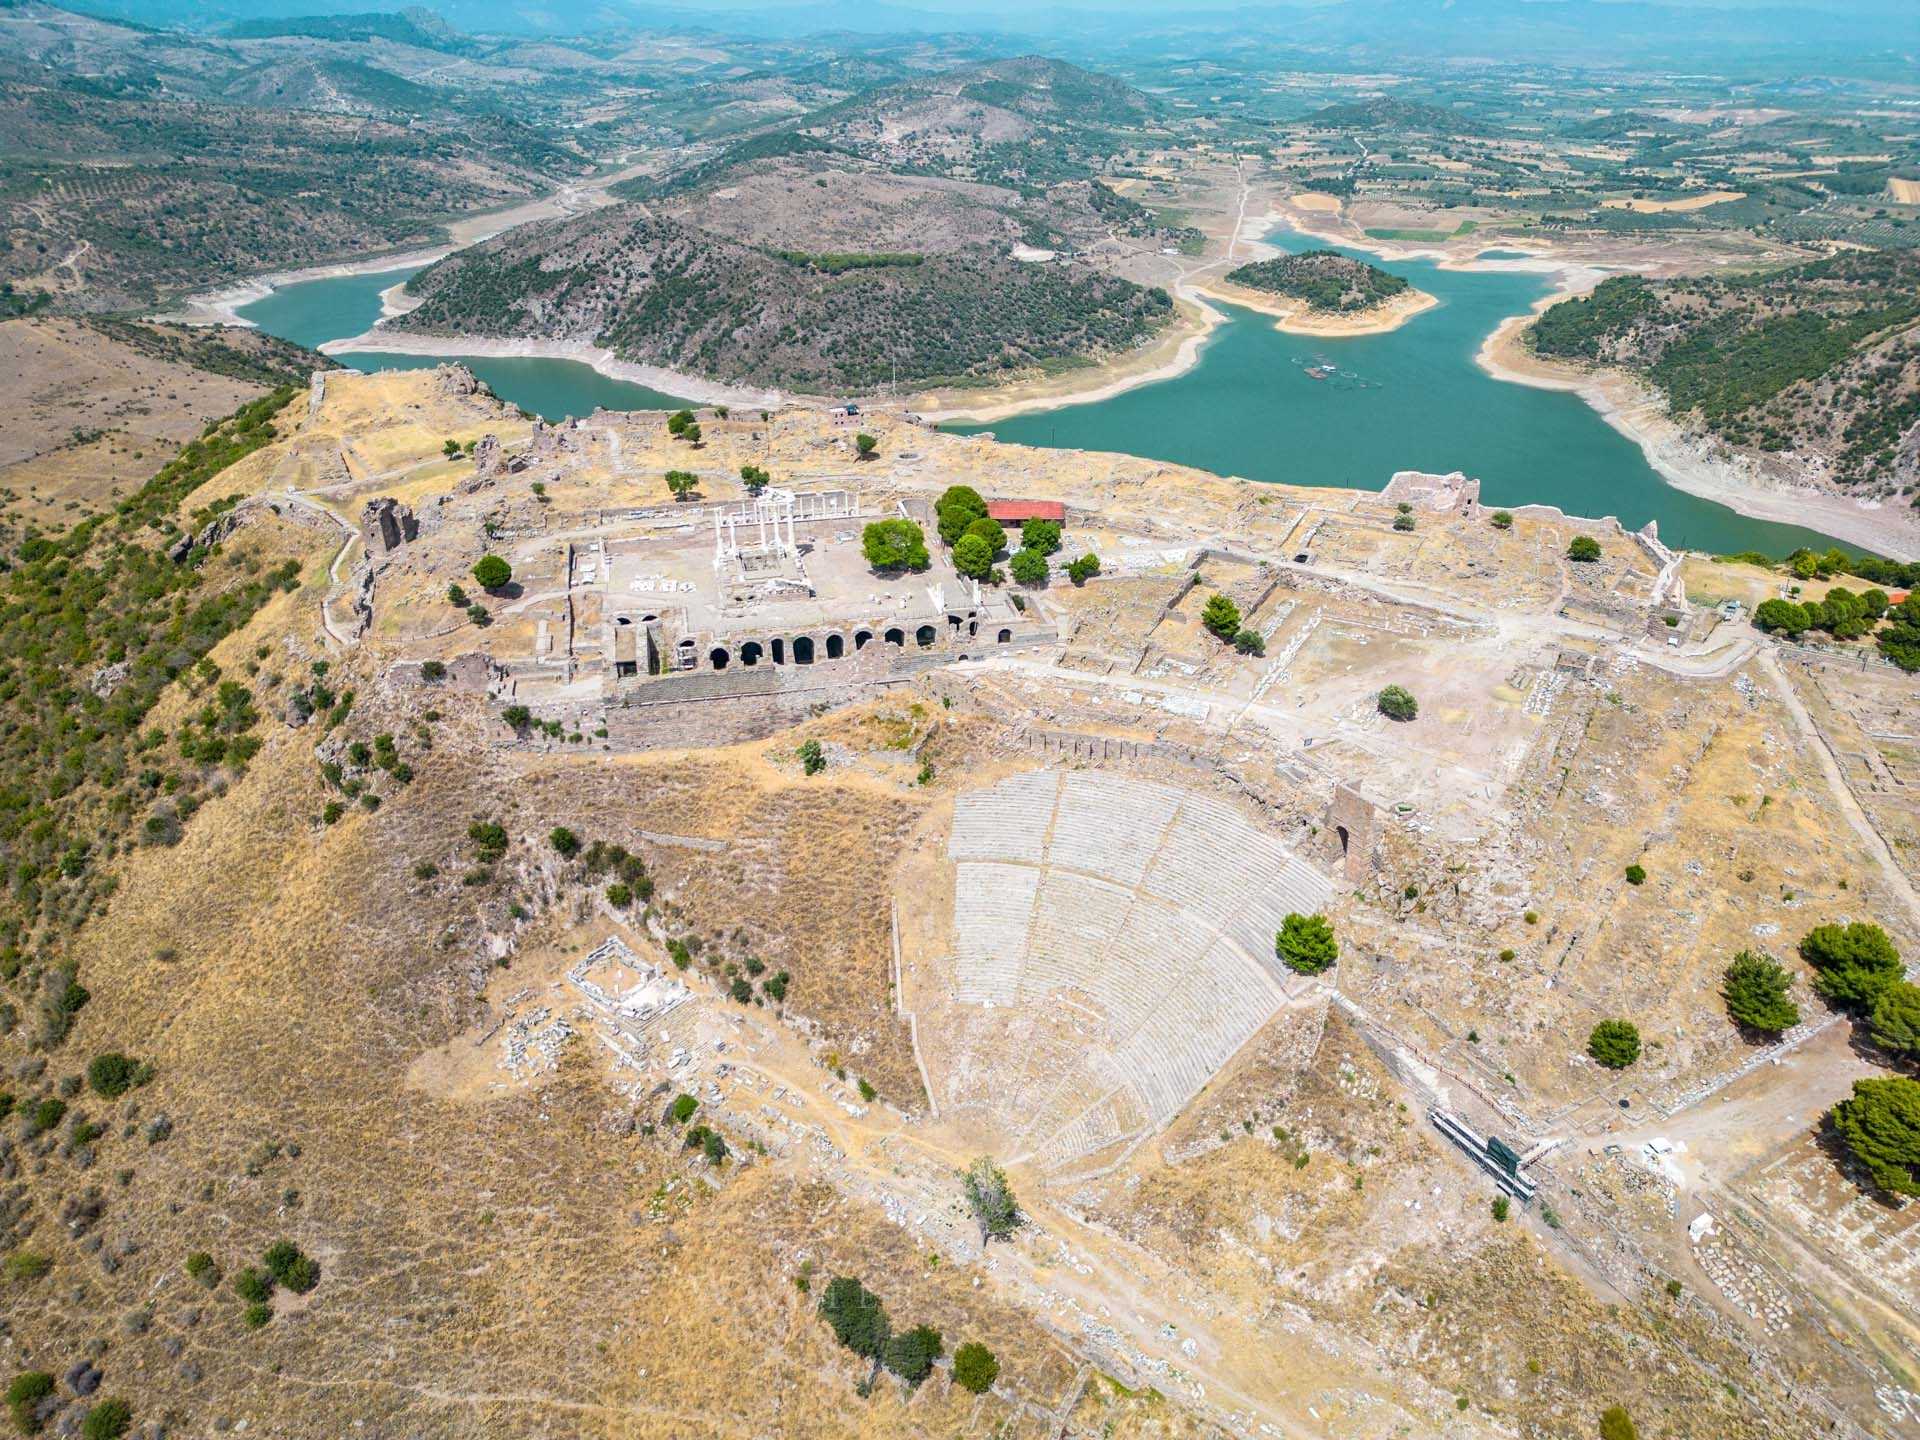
x,y
1322,292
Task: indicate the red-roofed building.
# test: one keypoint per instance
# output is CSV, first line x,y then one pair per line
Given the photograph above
x,y
1019,510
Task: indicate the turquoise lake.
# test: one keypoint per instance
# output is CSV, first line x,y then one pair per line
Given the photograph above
x,y
1260,404
320,310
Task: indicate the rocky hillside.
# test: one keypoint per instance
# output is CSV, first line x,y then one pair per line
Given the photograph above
x,y
1326,280
657,291
1820,361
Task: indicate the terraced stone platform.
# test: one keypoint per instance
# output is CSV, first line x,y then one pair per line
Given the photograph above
x,y
1115,939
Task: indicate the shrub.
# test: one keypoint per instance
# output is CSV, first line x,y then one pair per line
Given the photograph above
x,y
253,1284
1248,642
201,1267
257,1315
1221,616
619,894
1856,963
991,1199
292,1267
911,1354
1397,703
975,1367
1029,567
1082,570
775,986
1616,1424
564,841
812,758
108,1420
1880,1128
1755,989
112,1074
1501,520
1636,875
1896,1020
895,545
28,1265
491,572
516,717
682,1108
1614,1043
24,1395
1403,522
856,1316
433,670
867,1092
1306,944
1583,548
864,445
489,839
1501,1208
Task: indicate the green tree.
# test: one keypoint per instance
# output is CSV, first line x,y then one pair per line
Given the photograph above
x,y
1397,703
973,557
956,509
1781,616
975,1367
682,483
1221,616
1616,1424
1249,642
1084,569
1403,522
1583,548
691,435
1856,963
895,545
1636,874
450,448
1896,1020
1029,567
911,1353
754,478
1306,944
991,1199
1041,535
856,1316
492,572
1614,1043
1501,520
1755,989
678,422
864,445
1880,1127
989,530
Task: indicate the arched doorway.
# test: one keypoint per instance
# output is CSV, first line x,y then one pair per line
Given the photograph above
x,y
779,651
803,649
895,636
750,653
926,635
836,646
862,639
1005,636
1341,831
718,659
